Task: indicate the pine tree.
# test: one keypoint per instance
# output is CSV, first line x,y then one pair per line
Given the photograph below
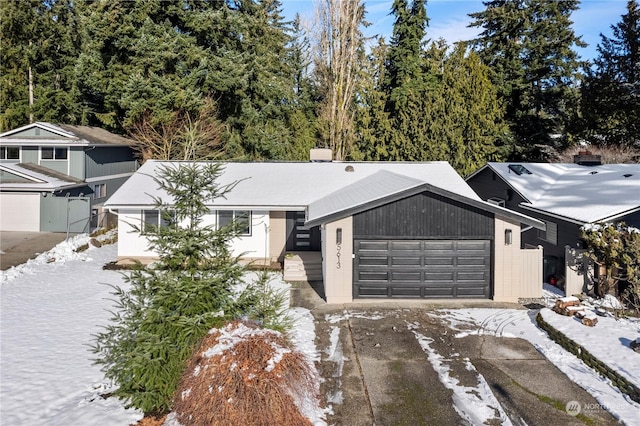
x,y
172,303
37,62
405,82
529,46
373,124
611,92
259,130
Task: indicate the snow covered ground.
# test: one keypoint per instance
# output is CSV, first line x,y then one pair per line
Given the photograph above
x,y
52,305
606,341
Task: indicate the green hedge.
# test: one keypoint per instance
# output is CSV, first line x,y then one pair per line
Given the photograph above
x,y
603,369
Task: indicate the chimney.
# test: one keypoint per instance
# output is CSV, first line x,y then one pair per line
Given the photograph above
x,y
321,155
586,158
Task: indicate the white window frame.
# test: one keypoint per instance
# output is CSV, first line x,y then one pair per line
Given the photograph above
x,y
4,152
551,233
54,156
99,190
236,215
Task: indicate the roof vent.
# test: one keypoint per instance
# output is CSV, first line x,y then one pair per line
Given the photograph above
x,y
627,175
586,158
593,172
519,169
349,169
320,155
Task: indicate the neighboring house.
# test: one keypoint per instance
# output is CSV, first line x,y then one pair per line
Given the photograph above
x,y
367,229
56,177
565,197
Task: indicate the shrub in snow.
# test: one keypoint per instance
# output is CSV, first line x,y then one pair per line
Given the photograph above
x,y
172,303
615,249
244,375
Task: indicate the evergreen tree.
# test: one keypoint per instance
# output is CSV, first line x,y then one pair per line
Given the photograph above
x,y
372,122
464,116
137,58
529,46
611,92
302,119
405,82
172,303
39,45
265,100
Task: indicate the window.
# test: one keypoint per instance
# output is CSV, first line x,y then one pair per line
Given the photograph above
x,y
99,190
9,153
519,169
551,234
51,153
154,219
241,217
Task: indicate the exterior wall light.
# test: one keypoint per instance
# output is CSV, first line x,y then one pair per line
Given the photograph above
x,y
508,237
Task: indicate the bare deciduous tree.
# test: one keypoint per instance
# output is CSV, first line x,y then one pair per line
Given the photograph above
x,y
338,56
181,137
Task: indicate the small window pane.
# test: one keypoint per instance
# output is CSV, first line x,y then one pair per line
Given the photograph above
x,y
150,219
10,153
225,217
46,153
244,221
61,153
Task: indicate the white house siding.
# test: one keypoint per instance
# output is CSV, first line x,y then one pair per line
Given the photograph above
x,y
133,245
20,212
517,272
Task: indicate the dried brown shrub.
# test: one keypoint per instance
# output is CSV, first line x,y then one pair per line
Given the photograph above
x,y
244,375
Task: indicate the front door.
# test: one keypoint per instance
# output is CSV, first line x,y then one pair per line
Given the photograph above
x,y
300,237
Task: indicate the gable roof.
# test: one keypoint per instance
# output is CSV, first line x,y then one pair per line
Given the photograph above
x,y
327,189
385,187
573,192
29,177
62,134
287,185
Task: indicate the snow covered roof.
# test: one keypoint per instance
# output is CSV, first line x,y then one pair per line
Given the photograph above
x,y
292,185
33,178
327,189
582,194
61,134
377,186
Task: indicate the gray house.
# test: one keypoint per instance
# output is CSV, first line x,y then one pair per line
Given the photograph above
x,y
56,177
565,196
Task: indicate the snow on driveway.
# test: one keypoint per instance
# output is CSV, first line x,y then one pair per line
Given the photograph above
x,y
520,323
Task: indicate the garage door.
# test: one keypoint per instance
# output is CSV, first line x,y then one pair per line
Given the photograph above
x,y
422,268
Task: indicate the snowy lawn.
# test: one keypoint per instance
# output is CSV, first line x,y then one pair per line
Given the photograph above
x,y
51,307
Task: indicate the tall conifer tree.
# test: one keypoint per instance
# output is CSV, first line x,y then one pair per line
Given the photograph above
x,y
529,46
611,93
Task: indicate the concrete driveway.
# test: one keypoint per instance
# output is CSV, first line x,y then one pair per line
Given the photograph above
x,y
17,247
376,372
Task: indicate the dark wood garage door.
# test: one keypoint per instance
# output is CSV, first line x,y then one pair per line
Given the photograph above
x,y
422,268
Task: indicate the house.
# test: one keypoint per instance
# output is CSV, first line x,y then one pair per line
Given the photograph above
x,y
56,177
565,196
366,229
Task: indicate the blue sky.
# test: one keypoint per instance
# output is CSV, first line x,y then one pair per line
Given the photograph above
x,y
449,19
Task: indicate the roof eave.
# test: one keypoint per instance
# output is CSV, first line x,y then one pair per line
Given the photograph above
x,y
483,205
